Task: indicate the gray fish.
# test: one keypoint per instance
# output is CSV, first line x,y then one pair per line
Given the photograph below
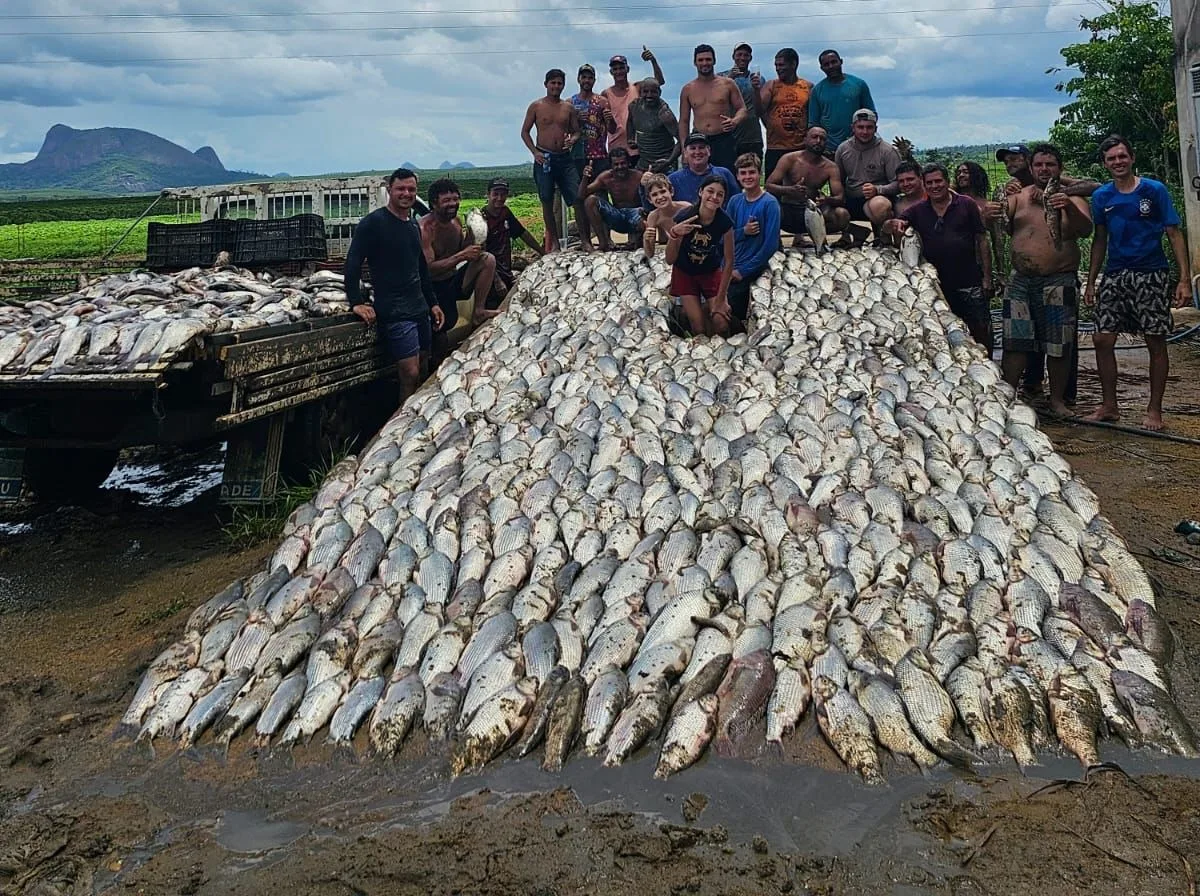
x,y
743,694
209,708
563,725
543,706
688,734
1155,713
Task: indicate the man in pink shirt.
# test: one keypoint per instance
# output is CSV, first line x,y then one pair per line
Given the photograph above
x,y
621,94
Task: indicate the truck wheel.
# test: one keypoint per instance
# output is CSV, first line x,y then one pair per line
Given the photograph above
x,y
62,474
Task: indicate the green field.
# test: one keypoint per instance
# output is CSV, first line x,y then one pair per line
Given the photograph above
x,y
51,239
79,239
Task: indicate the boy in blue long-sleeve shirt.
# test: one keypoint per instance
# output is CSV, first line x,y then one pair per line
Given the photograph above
x,y
756,224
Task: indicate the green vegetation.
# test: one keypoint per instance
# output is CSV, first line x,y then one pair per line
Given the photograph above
x,y
1125,85
89,209
255,523
79,239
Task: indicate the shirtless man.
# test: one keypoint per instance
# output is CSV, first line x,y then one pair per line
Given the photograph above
x,y
1015,159
457,267
622,209
1041,302
802,175
717,105
557,130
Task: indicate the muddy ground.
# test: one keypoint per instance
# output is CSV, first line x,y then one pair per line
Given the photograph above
x,y
89,595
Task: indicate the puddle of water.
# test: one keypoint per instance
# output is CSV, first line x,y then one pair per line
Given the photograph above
x,y
254,833
168,477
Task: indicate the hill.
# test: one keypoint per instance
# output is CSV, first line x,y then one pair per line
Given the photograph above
x,y
114,161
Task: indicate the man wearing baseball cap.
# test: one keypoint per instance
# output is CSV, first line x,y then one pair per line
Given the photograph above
x,y
622,93
749,132
502,228
697,165
868,166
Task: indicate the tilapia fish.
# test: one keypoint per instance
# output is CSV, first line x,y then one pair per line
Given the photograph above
x,y
586,531
1053,215
125,321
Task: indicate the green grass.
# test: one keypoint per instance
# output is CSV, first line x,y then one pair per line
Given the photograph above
x,y
79,239
253,524
52,239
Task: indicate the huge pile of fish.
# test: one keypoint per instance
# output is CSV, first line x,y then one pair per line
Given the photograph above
x,y
586,532
138,320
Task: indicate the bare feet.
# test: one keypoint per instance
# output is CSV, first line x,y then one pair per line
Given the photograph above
x,y
1059,409
1103,414
1153,421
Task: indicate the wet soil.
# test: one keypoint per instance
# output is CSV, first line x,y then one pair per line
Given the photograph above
x,y
89,596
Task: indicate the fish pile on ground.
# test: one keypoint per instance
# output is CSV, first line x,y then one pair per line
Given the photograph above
x,y
585,532
129,321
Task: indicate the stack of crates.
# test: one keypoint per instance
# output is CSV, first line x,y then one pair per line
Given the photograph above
x,y
298,238
188,245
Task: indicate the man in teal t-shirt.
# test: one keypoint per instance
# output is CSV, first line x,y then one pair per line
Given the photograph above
x,y
835,100
1131,214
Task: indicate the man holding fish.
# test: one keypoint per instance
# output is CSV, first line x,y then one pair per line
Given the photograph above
x,y
1041,303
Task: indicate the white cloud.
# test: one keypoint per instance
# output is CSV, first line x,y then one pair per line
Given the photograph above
x,y
455,85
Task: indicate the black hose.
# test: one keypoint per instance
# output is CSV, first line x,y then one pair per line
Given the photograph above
x,y
1137,431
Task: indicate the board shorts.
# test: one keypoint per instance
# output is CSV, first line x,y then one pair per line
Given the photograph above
x,y
1134,302
723,149
448,293
408,338
702,285
791,219
739,294
1040,313
970,306
562,174
622,220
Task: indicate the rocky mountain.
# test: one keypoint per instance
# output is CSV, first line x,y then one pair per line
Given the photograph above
x,y
115,160
450,166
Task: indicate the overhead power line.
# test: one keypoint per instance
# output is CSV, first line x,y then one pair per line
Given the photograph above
x,y
375,29
554,51
416,12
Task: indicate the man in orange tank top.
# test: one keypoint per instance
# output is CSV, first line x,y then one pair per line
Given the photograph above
x,y
783,102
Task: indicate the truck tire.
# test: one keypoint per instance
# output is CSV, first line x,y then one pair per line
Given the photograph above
x,y
62,474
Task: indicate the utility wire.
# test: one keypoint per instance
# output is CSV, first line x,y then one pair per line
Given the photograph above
x,y
507,52
413,12
288,29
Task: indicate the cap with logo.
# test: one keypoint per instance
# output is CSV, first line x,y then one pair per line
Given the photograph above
x,y
497,183
865,115
587,68
618,60
738,46
1019,149
696,137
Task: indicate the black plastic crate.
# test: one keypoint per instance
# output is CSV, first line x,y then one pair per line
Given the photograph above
x,y
298,238
186,245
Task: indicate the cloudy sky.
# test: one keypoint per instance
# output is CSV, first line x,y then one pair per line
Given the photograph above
x,y
319,86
